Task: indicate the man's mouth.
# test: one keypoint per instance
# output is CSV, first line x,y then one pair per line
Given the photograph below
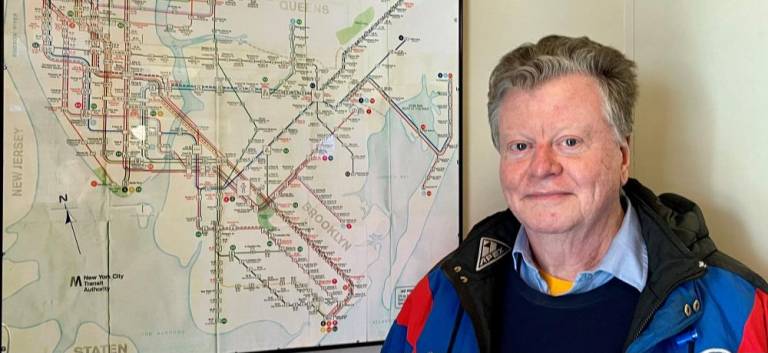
x,y
546,196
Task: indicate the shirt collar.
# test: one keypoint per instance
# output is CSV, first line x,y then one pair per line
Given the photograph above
x,y
626,258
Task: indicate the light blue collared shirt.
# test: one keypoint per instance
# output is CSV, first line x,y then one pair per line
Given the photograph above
x,y
626,259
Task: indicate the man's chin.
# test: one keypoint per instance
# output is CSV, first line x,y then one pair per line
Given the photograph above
x,y
548,230
552,225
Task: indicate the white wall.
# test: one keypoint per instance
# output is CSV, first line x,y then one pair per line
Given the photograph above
x,y
702,117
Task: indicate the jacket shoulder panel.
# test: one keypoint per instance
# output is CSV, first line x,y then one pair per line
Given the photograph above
x,y
722,260
409,323
447,320
716,306
727,303
428,318
755,336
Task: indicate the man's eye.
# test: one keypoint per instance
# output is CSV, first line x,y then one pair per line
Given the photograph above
x,y
571,142
518,146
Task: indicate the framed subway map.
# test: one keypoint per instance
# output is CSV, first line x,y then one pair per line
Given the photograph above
x,y
223,175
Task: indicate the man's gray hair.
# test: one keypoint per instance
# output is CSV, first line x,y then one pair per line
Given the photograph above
x,y
530,65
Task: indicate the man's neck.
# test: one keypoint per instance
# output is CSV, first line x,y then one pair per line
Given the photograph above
x,y
565,255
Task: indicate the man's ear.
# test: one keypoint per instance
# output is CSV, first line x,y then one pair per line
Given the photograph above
x,y
624,147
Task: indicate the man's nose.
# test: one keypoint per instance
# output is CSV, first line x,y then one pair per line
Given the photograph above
x,y
545,162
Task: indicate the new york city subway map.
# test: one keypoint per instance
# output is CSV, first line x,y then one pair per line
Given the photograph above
x,y
223,175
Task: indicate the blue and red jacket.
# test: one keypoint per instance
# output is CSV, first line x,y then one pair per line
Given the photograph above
x,y
696,299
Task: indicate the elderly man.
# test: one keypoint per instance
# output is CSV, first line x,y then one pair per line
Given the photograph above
x,y
585,259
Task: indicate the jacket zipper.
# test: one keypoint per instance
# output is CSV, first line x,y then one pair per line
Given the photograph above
x,y
664,297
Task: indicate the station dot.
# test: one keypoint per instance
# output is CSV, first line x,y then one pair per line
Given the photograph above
x,y
35,45
286,150
335,322
334,281
198,234
269,243
150,166
440,75
401,37
295,205
70,13
232,247
335,329
120,25
125,189
330,158
153,113
298,21
71,25
232,198
264,79
429,193
450,75
312,85
93,106
322,323
131,189
368,111
325,158
347,173
78,105
361,100
138,189
423,126
224,321
373,101
118,153
94,183
301,249
226,199
349,225
345,287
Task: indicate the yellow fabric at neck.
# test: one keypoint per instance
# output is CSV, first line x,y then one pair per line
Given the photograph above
x,y
557,286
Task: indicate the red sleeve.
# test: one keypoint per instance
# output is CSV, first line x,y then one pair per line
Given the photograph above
x,y
755,337
415,311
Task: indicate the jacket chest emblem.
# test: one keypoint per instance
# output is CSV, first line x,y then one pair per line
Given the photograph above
x,y
490,251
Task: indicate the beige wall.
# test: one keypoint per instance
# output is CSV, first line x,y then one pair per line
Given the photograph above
x,y
702,118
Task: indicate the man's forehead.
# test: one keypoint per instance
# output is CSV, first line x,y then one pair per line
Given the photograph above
x,y
568,84
568,99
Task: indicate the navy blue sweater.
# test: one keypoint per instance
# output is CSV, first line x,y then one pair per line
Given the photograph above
x,y
596,321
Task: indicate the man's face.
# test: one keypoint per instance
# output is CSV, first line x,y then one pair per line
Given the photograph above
x,y
561,167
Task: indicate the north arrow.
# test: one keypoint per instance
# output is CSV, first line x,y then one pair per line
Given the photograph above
x,y
71,225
